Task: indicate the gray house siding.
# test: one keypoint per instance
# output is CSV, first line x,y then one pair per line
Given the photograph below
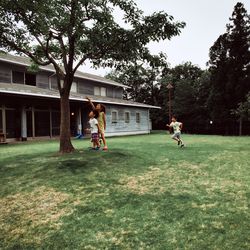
x,y
85,87
42,80
118,93
115,92
121,127
47,80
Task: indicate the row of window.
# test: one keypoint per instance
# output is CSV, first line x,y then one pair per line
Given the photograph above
x,y
30,79
23,78
98,91
114,117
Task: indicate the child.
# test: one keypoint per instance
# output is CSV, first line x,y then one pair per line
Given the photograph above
x,y
94,128
101,120
177,127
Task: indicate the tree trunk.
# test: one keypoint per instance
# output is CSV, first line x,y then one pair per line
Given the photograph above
x,y
65,141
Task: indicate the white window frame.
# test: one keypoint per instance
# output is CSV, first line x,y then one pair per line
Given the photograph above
x,y
103,91
138,115
97,91
73,87
114,121
127,120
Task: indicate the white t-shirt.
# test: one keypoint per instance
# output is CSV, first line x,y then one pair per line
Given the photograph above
x,y
93,128
175,126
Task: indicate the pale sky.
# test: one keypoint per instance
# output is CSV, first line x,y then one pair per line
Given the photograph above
x,y
205,21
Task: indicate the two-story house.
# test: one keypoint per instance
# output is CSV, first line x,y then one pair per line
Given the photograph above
x,y
30,107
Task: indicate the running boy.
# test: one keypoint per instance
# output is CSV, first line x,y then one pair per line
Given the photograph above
x,y
177,127
94,128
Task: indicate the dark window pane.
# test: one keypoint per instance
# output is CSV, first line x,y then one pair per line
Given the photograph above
x,y
18,77
42,123
127,117
138,118
13,123
30,79
55,123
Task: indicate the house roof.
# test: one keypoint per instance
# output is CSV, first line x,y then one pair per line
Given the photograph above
x,y
26,90
26,61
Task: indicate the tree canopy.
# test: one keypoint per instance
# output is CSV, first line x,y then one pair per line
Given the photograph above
x,y
66,33
229,67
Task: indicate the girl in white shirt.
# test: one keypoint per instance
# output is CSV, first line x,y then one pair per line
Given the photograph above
x,y
94,128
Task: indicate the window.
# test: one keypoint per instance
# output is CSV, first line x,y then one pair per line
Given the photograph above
x,y
18,77
97,91
103,91
138,117
23,78
53,82
74,87
114,117
30,79
127,117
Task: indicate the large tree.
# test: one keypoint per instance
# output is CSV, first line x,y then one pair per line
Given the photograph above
x,y
230,68
243,112
66,33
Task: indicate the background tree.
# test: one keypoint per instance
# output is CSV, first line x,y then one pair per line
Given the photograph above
x,y
68,32
190,96
143,79
243,112
230,69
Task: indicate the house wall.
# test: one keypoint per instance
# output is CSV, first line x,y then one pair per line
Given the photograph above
x,y
121,127
42,80
42,117
48,80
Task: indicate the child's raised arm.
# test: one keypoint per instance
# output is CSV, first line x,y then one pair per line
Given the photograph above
x,y
91,103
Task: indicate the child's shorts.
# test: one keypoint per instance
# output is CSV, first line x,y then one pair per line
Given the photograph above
x,y
176,135
95,136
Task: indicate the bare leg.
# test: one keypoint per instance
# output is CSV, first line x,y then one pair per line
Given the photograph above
x,y
176,139
96,143
104,141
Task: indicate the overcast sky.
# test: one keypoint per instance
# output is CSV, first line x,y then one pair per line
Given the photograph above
x,y
205,21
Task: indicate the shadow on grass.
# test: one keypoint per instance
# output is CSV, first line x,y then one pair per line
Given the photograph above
x,y
72,165
83,160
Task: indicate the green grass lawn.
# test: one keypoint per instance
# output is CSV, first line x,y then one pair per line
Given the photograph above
x,y
144,193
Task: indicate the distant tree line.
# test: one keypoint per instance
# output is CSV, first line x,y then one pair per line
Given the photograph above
x,y
211,101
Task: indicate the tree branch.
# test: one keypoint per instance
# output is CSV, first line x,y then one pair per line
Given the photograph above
x,y
15,47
